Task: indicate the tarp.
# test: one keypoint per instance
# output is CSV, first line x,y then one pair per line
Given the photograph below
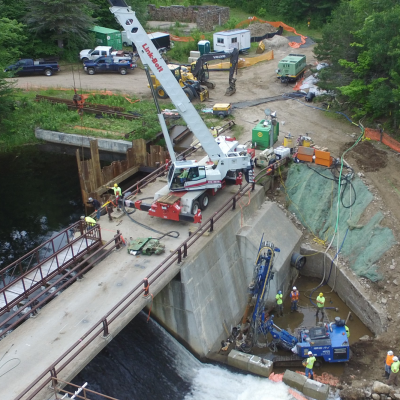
x,y
243,62
275,24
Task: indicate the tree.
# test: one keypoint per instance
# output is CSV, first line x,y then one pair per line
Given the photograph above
x,y
12,40
60,20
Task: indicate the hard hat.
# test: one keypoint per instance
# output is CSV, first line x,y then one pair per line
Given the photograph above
x,y
115,184
395,358
280,292
294,288
82,217
212,127
90,199
321,294
390,352
310,353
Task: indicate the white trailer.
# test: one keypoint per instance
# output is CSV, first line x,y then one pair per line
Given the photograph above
x,y
228,40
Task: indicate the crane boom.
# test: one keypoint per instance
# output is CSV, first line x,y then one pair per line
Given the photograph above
x,y
150,56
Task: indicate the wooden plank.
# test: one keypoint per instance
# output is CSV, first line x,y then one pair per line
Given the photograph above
x,y
96,168
125,175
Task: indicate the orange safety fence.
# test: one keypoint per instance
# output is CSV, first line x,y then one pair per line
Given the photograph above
x,y
275,24
298,84
243,62
374,134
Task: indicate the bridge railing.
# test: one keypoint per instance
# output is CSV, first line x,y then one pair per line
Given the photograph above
x,y
102,326
23,277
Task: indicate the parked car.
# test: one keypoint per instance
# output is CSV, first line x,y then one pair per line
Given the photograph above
x,y
102,51
108,64
28,66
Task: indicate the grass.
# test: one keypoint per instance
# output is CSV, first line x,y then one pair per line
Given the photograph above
x,y
28,114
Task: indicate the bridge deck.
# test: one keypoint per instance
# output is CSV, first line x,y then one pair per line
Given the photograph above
x,y
61,323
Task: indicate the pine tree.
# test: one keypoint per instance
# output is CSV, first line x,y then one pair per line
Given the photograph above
x,y
61,20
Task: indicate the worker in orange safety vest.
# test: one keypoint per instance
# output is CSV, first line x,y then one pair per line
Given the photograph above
x,y
388,364
294,297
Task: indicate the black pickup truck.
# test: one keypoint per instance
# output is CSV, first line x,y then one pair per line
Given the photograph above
x,y
108,64
27,66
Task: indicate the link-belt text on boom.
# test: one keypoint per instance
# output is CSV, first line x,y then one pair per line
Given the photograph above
x,y
153,59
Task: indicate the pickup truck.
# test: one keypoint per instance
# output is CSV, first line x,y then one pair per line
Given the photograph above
x,y
27,66
108,64
102,51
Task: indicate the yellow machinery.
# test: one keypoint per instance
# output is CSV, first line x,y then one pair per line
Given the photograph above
x,y
190,85
221,110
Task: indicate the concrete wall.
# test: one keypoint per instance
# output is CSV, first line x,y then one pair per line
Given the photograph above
x,y
211,289
205,16
347,287
112,145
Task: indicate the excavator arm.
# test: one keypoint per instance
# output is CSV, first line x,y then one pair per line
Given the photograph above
x,y
232,71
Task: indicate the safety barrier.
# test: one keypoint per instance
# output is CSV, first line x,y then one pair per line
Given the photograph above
x,y
102,325
25,275
377,135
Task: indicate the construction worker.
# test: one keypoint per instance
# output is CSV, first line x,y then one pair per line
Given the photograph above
x,y
279,302
117,193
347,331
320,304
109,209
294,298
97,206
184,174
394,371
90,222
214,131
388,364
310,364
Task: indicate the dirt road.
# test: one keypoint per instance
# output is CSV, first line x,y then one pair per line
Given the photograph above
x,y
297,118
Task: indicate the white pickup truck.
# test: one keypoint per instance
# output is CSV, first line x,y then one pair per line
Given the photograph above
x,y
103,51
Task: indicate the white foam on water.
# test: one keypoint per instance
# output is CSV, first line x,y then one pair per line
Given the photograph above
x,y
216,383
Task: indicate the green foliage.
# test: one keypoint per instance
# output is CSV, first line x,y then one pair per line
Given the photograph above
x,y
12,40
231,24
7,92
262,12
62,21
364,56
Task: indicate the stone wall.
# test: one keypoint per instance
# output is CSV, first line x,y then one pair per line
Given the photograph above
x,y
206,17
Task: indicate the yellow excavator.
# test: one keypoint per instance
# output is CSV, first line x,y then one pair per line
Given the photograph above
x,y
190,85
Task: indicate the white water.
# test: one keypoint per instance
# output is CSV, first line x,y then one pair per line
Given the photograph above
x,y
211,382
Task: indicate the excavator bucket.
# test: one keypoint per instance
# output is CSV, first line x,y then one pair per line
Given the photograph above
x,y
204,94
231,89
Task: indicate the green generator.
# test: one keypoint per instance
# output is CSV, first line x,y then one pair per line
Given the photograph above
x,y
291,68
107,37
261,134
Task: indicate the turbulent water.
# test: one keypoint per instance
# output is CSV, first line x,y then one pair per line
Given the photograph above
x,y
145,362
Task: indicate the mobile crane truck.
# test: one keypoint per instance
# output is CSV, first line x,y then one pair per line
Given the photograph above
x,y
190,183
328,342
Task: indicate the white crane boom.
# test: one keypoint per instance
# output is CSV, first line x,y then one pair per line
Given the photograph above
x,y
150,56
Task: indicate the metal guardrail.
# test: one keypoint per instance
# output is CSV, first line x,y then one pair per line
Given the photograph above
x,y
102,325
80,393
23,277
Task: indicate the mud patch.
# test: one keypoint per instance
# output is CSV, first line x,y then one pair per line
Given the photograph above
x,y
367,157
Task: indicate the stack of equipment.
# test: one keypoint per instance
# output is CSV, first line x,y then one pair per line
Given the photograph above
x,y
305,153
323,158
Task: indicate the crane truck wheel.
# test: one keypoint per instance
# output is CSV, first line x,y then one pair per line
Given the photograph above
x,y
204,200
188,93
48,72
161,93
90,71
195,207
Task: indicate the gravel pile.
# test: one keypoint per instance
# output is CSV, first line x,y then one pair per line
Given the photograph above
x,y
259,29
275,43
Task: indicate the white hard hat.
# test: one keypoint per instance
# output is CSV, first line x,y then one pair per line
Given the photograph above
x,y
390,352
82,217
310,352
395,358
294,288
90,199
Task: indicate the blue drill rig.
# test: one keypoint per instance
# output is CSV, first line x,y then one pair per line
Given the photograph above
x,y
328,342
